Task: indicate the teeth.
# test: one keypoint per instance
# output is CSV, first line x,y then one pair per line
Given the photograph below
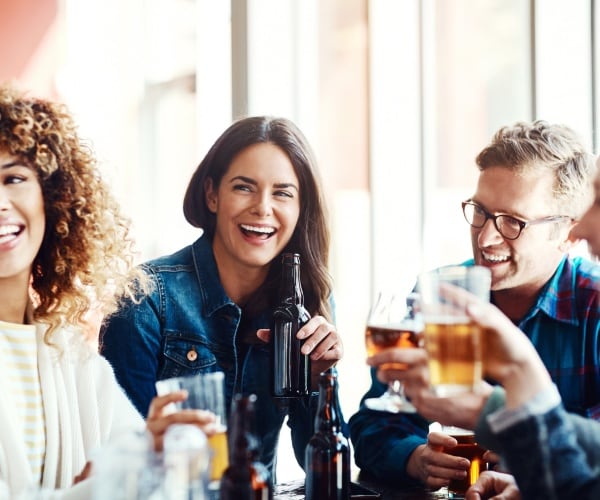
x,y
255,229
495,258
8,229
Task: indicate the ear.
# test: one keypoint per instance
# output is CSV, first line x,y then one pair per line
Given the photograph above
x,y
570,241
210,195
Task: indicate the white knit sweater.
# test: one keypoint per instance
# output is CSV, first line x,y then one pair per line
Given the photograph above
x,y
84,407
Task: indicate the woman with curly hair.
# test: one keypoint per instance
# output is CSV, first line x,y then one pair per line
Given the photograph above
x,y
256,194
64,246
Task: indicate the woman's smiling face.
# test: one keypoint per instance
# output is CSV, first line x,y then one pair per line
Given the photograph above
x,y
257,206
22,217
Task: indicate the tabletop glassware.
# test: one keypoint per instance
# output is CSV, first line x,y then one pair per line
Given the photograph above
x,y
453,342
206,391
393,323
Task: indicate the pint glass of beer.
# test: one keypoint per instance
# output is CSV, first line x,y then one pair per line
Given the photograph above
x,y
206,391
467,448
452,341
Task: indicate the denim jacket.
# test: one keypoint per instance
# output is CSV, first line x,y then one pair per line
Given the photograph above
x,y
187,325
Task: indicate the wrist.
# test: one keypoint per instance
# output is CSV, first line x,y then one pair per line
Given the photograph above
x,y
525,380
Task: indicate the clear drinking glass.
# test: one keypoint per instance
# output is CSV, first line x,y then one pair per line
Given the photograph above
x,y
452,340
393,323
206,391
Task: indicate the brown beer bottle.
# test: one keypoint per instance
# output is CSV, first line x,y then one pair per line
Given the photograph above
x,y
290,369
245,478
327,455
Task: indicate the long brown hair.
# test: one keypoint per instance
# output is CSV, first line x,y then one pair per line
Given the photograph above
x,y
311,235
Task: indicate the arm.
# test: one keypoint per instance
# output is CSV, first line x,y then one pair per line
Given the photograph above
x,y
131,341
555,465
383,442
536,436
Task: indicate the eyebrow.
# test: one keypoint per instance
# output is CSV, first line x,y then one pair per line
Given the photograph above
x,y
279,185
500,212
11,164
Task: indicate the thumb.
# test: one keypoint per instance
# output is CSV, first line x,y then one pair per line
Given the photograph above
x,y
264,334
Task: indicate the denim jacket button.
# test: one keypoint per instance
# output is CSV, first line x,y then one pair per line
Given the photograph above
x,y
192,355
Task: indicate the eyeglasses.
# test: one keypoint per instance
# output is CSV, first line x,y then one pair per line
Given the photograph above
x,y
508,226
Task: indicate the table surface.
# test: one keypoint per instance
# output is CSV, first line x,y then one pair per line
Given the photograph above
x,y
294,490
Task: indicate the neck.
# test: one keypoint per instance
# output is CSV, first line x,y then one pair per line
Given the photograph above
x,y
14,297
239,281
514,302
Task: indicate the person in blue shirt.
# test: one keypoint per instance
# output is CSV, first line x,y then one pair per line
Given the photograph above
x,y
256,194
534,183
553,454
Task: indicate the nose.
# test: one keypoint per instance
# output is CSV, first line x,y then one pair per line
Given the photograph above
x,y
262,206
489,235
4,200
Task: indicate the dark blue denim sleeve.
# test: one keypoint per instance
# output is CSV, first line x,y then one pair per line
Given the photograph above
x,y
383,442
131,342
546,459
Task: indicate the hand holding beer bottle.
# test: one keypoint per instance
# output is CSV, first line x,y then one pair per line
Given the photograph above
x,y
392,323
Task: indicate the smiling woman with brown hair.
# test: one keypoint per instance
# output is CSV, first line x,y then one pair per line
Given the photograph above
x,y
256,194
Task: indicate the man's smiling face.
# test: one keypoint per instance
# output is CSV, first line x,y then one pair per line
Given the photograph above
x,y
531,259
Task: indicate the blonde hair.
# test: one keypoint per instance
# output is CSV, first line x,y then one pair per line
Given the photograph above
x,y
529,147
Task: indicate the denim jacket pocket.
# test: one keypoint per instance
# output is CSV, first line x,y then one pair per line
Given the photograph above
x,y
186,355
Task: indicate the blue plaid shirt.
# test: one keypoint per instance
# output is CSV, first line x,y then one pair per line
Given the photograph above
x,y
564,328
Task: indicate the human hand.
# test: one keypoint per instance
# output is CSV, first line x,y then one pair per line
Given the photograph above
x,y
493,461
321,341
458,411
160,417
409,366
494,486
508,355
432,466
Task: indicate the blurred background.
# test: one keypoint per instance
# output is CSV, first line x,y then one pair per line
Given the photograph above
x,y
396,97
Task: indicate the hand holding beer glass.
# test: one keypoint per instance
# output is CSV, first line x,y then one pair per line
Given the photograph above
x,y
206,391
454,349
452,341
392,323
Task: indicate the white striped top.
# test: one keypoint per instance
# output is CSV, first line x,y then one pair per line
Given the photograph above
x,y
21,387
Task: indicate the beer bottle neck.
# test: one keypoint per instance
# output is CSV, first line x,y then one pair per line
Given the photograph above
x,y
291,286
328,417
243,444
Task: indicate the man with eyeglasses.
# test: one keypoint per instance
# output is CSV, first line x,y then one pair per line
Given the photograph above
x,y
535,182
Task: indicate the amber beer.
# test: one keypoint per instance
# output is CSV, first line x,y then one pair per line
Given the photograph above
x,y
467,448
218,447
379,338
454,351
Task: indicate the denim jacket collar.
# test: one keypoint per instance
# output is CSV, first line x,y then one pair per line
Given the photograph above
x,y
211,290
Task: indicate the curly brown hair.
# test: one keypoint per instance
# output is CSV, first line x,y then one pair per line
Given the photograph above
x,y
86,257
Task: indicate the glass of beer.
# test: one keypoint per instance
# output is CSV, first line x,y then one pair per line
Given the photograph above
x,y
206,391
467,448
452,341
392,323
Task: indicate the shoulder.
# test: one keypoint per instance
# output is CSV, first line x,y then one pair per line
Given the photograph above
x,y
182,257
587,273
